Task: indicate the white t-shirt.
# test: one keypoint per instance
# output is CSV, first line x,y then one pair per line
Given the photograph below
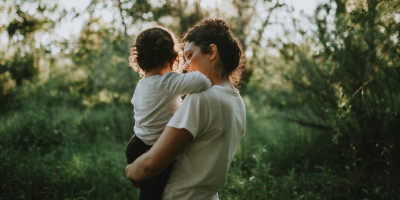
x,y
157,97
216,118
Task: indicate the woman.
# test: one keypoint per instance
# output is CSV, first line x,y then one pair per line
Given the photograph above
x,y
205,131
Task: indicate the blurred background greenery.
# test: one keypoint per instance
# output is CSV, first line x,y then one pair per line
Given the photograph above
x,y
322,98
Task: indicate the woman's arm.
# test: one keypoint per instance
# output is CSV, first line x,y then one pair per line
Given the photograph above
x,y
171,142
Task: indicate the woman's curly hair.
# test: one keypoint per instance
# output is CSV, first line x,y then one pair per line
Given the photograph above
x,y
153,48
216,31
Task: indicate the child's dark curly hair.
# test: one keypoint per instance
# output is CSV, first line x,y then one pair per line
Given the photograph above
x,y
154,47
216,31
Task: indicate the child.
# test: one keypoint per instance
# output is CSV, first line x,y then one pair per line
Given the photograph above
x,y
157,96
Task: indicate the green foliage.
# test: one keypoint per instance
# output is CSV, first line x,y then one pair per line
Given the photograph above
x,y
20,67
347,90
21,57
322,118
102,59
54,147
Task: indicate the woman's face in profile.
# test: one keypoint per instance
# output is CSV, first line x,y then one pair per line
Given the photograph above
x,y
195,60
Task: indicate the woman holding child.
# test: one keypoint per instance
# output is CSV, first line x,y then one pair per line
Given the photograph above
x,y
203,134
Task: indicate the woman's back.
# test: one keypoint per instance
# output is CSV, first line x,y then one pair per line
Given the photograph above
x,y
216,119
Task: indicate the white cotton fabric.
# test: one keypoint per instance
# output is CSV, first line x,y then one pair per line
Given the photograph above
x,y
157,97
216,118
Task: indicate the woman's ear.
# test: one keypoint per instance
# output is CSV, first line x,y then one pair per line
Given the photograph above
x,y
213,51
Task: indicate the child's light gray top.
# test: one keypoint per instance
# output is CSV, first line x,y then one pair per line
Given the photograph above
x,y
157,97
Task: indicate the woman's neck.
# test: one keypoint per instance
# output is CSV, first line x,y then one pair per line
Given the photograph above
x,y
221,78
217,75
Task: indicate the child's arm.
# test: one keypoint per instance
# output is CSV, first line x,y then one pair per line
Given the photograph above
x,y
191,82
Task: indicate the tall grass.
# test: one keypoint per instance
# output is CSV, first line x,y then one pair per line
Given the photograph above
x,y
282,160
55,146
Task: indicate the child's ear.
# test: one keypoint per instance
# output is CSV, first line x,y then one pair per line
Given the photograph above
x,y
213,51
171,64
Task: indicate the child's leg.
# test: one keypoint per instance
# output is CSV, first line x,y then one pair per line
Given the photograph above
x,y
135,149
154,188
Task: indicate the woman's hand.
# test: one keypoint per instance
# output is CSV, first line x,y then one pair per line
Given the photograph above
x,y
171,142
135,184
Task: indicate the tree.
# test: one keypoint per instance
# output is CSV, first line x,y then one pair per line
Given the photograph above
x,y
21,57
348,88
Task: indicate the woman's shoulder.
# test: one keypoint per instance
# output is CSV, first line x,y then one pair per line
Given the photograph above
x,y
214,95
204,96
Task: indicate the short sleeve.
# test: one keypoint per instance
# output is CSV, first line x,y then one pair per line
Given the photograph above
x,y
191,115
191,82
